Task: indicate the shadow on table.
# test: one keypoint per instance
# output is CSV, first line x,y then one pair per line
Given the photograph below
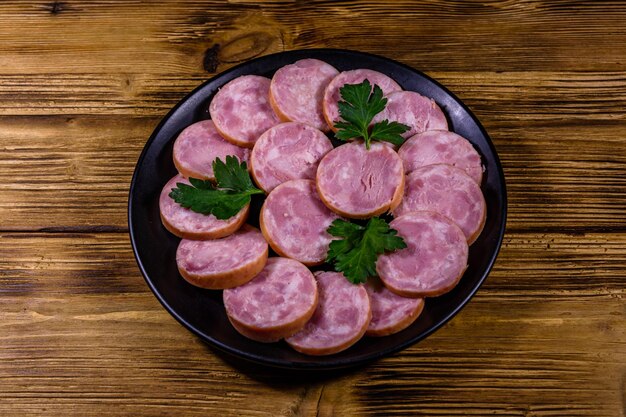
x,y
279,376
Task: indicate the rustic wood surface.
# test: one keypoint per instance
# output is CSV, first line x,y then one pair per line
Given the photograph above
x,y
84,83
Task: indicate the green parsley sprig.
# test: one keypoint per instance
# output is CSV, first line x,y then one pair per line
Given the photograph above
x,y
357,109
356,253
233,191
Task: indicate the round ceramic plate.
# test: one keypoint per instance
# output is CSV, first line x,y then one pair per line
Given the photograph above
x,y
202,311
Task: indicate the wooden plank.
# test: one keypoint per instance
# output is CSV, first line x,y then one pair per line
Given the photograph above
x,y
112,37
60,171
557,264
52,264
77,171
80,334
503,97
530,265
124,94
540,96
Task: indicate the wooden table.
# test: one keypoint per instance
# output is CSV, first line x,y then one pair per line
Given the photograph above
x,y
84,83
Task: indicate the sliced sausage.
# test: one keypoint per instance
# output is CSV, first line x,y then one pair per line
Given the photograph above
x,y
447,190
223,263
297,91
340,320
274,304
391,312
198,146
359,183
332,95
294,222
441,147
241,110
433,261
414,110
188,224
287,151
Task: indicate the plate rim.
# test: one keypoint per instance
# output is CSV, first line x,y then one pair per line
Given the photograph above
x,y
328,363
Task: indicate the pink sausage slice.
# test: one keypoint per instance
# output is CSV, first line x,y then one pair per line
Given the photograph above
x,y
188,224
359,183
340,320
198,145
433,261
391,312
441,147
276,303
223,263
297,91
332,95
287,151
294,222
414,110
241,110
447,190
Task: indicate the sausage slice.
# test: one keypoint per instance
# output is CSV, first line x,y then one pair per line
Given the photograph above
x,y
441,147
449,191
391,312
287,151
274,304
198,145
297,91
433,261
188,224
294,222
223,263
414,110
359,183
241,110
340,320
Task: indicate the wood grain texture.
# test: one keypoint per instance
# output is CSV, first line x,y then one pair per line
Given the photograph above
x,y
78,168
110,37
80,333
84,83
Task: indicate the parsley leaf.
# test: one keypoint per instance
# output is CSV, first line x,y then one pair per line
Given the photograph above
x,y
357,110
355,255
389,131
233,191
231,175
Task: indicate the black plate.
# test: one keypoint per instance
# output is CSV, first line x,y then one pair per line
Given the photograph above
x,y
202,311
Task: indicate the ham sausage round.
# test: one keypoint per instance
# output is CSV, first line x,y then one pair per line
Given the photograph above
x,y
332,95
241,110
340,320
223,263
441,147
433,261
188,224
447,190
359,183
274,304
414,110
287,151
198,146
294,222
297,91
391,312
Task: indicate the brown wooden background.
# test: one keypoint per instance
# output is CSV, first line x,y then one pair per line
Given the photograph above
x,y
84,83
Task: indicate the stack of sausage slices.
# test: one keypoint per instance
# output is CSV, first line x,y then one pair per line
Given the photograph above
x,y
280,128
